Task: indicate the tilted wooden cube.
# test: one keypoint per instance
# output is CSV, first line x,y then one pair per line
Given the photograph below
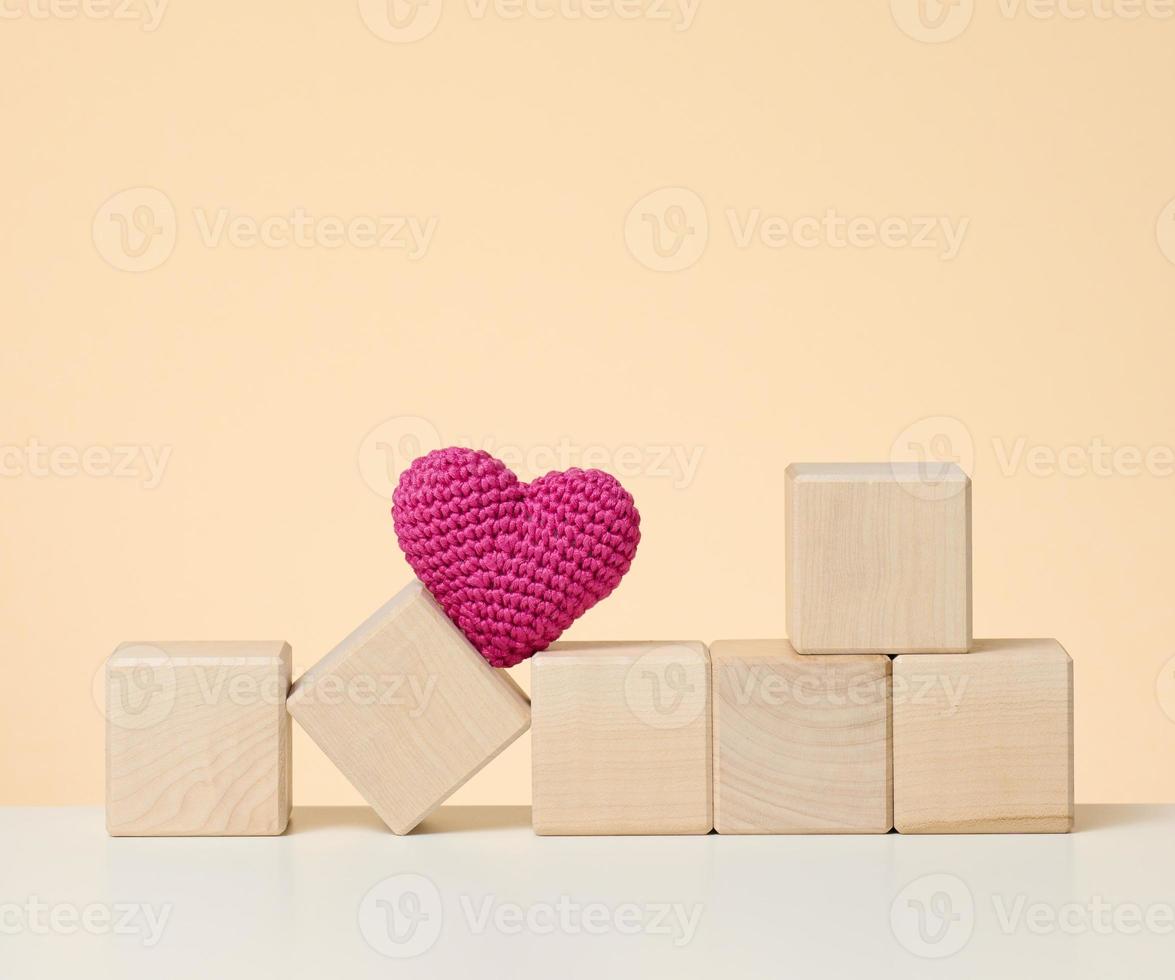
x,y
878,557
621,739
984,743
197,739
408,709
801,743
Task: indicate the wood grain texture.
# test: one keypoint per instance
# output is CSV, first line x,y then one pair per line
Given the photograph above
x,y
407,709
197,739
621,740
801,743
984,743
878,558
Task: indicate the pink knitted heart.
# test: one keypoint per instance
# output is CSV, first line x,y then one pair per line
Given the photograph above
x,y
513,564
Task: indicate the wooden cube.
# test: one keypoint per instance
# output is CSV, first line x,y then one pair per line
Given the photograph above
x,y
801,743
621,740
984,743
408,709
197,739
878,557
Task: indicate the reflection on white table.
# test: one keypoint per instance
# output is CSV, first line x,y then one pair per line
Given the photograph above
x,y
474,893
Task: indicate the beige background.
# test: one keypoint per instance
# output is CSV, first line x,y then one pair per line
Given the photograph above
x,y
537,320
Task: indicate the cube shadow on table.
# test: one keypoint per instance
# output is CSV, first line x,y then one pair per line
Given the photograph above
x,y
198,739
621,741
801,743
407,709
878,558
984,743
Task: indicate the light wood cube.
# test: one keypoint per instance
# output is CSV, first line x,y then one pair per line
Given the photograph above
x,y
407,708
878,557
621,740
801,743
197,739
984,743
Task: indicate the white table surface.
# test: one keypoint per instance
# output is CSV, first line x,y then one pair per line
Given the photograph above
x,y
475,893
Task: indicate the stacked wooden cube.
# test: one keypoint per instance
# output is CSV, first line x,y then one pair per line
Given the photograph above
x,y
880,711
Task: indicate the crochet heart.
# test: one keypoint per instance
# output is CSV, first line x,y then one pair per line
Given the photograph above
x,y
512,564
